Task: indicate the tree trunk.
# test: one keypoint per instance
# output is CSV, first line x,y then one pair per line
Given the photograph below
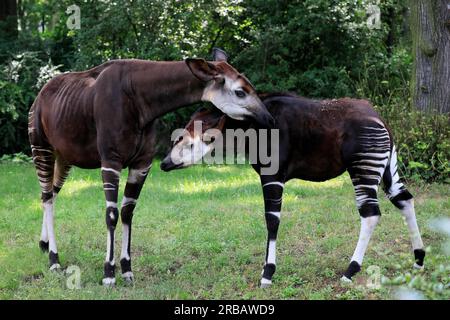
x,y
8,17
430,30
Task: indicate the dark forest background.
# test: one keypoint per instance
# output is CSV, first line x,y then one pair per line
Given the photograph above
x,y
316,48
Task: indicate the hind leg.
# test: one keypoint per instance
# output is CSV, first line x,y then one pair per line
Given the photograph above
x,y
60,175
403,200
407,209
366,166
370,215
44,161
61,171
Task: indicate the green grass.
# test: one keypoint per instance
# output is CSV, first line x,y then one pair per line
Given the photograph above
x,y
200,233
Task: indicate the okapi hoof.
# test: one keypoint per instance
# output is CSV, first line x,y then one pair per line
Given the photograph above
x,y
128,278
267,273
109,282
417,267
55,267
265,283
352,269
419,256
54,261
43,246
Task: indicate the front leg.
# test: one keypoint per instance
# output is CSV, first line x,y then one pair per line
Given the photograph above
x,y
273,194
110,176
135,182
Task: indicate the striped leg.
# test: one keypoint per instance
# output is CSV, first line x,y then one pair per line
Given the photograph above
x,y
273,195
61,172
44,162
135,182
403,200
366,169
111,176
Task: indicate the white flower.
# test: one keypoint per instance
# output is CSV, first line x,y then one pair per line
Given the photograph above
x,y
46,73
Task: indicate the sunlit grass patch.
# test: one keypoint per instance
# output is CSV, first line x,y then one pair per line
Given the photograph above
x,y
200,233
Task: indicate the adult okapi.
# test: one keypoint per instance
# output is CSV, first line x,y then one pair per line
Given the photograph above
x,y
104,118
318,140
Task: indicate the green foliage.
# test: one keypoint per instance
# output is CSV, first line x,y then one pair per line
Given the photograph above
x,y
20,80
424,145
317,48
422,139
16,158
433,285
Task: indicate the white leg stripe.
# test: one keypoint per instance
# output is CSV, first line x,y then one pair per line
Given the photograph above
x,y
108,281
106,184
271,257
410,218
367,227
136,175
44,233
276,183
126,201
48,211
117,173
125,238
127,274
275,213
111,204
55,266
108,248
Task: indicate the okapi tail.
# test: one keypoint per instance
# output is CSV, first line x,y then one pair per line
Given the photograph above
x,y
392,185
42,152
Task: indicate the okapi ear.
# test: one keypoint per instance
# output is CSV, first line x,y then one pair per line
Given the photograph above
x,y
219,55
202,69
221,123
213,130
216,122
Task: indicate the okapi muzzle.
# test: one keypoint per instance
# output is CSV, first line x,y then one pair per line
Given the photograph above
x,y
195,140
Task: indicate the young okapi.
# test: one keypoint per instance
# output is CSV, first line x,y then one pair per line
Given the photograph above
x,y
104,118
318,140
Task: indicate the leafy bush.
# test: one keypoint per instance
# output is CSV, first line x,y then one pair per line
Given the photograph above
x,y
16,158
317,48
20,80
423,284
422,139
423,145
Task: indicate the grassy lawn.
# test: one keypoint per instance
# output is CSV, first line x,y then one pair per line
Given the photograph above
x,y
200,233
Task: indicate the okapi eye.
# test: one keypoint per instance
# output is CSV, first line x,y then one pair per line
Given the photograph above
x,y
240,93
177,140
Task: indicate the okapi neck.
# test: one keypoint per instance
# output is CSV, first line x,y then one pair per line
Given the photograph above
x,y
166,88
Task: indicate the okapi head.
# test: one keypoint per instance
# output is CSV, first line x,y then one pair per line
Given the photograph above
x,y
196,140
228,90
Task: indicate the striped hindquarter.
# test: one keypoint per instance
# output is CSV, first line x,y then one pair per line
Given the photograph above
x,y
366,168
376,160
